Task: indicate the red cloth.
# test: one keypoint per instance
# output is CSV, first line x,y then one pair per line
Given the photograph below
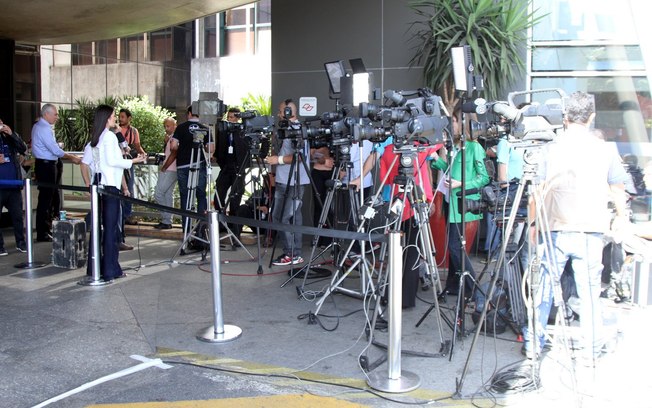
x,y
421,171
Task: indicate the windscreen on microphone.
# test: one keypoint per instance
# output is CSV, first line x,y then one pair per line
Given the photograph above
x,y
478,106
507,111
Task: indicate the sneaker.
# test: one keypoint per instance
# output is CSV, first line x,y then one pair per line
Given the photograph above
x,y
3,252
282,260
297,260
163,226
21,248
286,260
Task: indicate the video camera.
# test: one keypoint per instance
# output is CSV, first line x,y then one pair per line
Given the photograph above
x,y
532,122
492,199
407,120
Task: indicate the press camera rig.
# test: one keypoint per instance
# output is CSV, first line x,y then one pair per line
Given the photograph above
x,y
418,119
532,122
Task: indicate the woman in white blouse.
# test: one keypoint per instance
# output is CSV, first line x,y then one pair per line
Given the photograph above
x,y
111,168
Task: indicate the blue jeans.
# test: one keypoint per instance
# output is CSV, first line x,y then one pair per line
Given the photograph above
x,y
200,191
288,213
126,205
585,252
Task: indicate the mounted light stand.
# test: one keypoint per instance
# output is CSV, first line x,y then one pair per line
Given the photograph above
x,y
466,82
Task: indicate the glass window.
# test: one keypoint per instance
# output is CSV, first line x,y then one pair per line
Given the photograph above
x,y
264,12
82,54
210,36
237,16
160,45
587,58
584,20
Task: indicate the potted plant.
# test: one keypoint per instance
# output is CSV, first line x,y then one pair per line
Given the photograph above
x,y
495,30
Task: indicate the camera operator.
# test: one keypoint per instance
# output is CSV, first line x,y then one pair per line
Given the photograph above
x,y
476,177
288,196
182,143
579,176
231,151
167,175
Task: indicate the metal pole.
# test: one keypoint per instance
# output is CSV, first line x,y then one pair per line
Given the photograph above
x,y
395,381
95,278
219,332
30,264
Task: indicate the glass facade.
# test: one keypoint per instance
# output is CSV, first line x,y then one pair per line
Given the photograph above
x,y
155,64
239,31
594,47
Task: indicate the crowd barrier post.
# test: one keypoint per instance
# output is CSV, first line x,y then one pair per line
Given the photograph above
x,y
31,263
94,279
395,381
219,332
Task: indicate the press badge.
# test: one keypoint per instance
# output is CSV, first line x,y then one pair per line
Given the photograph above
x,y
230,150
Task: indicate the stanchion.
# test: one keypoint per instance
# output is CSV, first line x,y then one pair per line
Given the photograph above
x,y
31,263
219,332
396,380
94,279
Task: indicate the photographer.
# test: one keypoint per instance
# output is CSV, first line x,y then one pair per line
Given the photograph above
x,y
288,196
230,153
167,176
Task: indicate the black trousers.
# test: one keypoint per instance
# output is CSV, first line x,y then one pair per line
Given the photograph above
x,y
46,172
228,179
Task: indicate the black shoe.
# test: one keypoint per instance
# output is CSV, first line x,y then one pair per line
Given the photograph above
x,y
22,247
162,226
125,247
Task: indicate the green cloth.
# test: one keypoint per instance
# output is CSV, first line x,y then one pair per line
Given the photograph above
x,y
476,177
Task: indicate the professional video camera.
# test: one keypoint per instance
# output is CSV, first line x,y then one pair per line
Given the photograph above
x,y
334,129
254,130
407,120
492,198
532,122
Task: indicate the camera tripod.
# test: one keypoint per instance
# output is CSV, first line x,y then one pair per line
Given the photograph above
x,y
335,185
419,239
258,185
537,217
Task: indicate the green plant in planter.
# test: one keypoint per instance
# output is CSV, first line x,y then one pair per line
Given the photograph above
x,y
260,103
495,30
148,119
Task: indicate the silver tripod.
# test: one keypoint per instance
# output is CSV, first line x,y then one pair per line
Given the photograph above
x,y
537,217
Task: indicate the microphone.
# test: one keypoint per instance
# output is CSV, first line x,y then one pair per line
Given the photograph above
x,y
507,111
478,106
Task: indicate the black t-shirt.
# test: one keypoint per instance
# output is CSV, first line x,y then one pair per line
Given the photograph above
x,y
185,134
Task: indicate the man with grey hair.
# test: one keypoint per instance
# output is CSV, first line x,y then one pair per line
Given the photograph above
x,y
580,176
46,152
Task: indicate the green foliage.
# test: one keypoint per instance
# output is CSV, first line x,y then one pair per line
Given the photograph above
x,y
260,103
495,30
148,119
75,125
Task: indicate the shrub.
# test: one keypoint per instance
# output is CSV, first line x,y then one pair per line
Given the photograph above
x,y
148,119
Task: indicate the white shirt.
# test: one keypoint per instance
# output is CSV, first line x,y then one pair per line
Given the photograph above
x,y
111,162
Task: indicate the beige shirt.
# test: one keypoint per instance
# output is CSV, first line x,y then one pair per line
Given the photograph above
x,y
576,174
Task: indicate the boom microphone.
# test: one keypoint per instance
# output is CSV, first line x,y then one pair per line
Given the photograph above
x,y
478,106
506,111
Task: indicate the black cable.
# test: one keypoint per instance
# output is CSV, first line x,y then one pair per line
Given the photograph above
x,y
312,380
516,378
